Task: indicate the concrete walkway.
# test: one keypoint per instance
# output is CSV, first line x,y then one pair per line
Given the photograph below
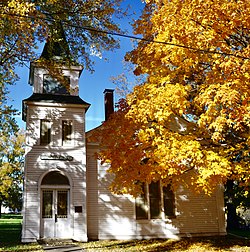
x,y
62,248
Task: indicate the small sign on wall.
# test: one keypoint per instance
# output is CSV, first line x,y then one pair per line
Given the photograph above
x,y
53,156
78,209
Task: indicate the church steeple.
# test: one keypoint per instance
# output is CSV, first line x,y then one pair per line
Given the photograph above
x,y
55,165
55,76
55,72
56,47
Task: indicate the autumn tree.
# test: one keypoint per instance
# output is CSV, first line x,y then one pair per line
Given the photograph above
x,y
24,25
237,202
11,169
189,122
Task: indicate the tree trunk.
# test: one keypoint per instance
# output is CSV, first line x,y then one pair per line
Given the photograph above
x,y
232,218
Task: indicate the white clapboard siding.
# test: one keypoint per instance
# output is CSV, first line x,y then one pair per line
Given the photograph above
x,y
92,195
56,115
36,167
113,216
116,213
199,214
73,73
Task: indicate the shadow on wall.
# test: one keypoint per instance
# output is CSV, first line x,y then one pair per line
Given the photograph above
x,y
196,215
42,158
32,224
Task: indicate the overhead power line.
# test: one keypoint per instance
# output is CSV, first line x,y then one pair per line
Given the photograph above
x,y
156,41
87,28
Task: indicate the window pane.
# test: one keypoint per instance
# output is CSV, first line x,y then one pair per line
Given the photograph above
x,y
47,204
45,132
66,132
52,86
141,205
169,205
155,200
62,204
55,178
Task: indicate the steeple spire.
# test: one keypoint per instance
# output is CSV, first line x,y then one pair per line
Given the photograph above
x,y
56,47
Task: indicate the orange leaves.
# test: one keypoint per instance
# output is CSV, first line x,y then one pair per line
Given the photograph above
x,y
201,32
158,101
11,161
24,23
224,107
190,120
146,152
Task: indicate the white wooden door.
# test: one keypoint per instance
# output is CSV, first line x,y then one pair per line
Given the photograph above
x,y
55,214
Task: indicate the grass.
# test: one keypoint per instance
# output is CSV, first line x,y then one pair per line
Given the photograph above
x,y
10,229
185,244
241,233
10,234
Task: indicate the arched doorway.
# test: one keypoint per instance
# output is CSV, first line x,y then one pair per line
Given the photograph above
x,y
55,206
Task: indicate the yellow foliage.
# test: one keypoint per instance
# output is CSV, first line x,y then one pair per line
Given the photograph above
x,y
189,123
11,161
26,24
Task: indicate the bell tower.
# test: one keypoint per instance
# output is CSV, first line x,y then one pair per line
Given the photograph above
x,y
54,204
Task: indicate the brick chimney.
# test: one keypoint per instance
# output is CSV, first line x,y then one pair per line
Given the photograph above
x,y
108,102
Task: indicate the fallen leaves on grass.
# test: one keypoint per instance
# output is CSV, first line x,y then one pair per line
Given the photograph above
x,y
185,244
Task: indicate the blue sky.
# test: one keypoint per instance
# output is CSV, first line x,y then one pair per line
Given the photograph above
x,y
91,85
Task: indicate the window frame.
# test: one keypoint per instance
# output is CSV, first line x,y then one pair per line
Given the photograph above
x,y
143,201
48,140
59,88
141,204
66,142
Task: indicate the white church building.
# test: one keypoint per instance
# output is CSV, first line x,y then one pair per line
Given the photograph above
x,y
66,193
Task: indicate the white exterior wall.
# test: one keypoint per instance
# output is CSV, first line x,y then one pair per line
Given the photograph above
x,y
36,168
114,216
92,194
199,214
73,73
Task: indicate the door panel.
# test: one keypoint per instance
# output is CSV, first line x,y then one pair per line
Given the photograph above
x,y
47,204
48,213
62,204
55,214
62,225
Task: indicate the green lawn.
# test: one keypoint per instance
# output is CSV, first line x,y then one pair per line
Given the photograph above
x,y
10,229
10,240
10,234
241,233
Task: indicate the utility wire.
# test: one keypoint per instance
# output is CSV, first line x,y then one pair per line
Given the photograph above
x,y
154,41
87,28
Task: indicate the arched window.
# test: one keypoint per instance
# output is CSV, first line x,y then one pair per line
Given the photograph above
x,y
55,178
